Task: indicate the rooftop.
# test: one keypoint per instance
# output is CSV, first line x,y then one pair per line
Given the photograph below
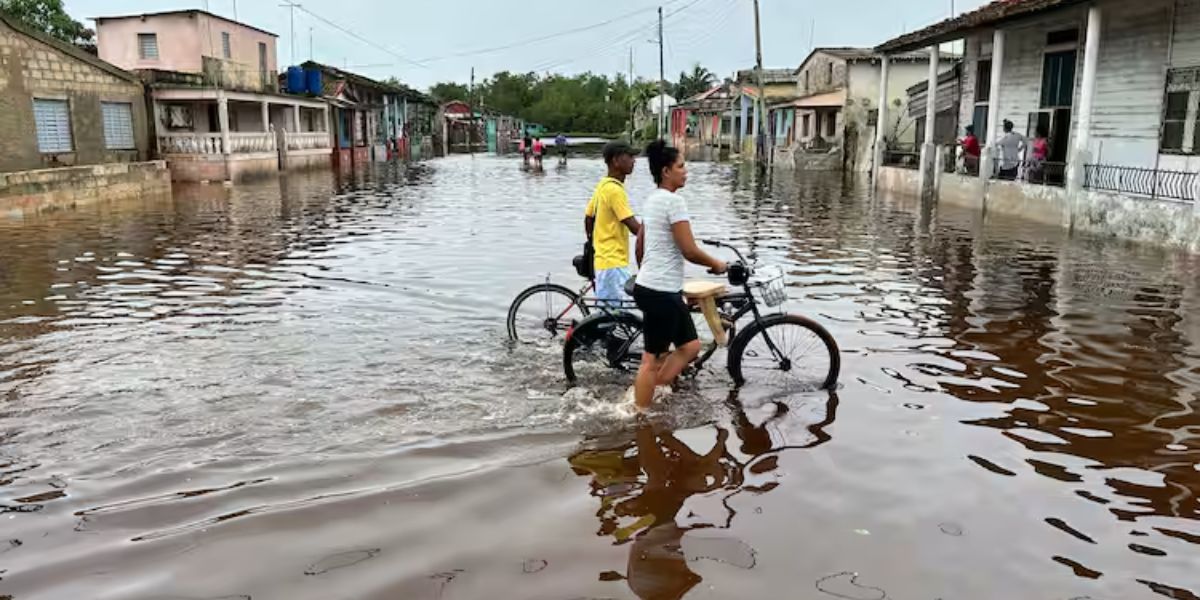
x,y
192,12
770,76
367,81
866,54
989,15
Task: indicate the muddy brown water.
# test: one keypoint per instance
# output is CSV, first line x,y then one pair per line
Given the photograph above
x,y
301,389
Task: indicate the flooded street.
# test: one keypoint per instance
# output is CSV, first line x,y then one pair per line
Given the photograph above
x,y
303,389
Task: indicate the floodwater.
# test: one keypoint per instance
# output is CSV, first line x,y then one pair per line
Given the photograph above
x,y
302,389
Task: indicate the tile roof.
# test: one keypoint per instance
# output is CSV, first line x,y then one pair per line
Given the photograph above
x,y
994,13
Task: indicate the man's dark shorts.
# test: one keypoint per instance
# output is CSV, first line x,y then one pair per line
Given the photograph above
x,y
666,319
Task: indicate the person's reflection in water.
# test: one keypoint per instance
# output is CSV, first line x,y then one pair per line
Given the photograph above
x,y
657,568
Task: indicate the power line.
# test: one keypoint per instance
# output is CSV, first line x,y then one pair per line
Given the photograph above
x,y
531,41
361,38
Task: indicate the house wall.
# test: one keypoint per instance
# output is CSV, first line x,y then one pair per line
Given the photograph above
x,y
1185,52
30,68
1134,47
244,43
817,71
862,97
179,42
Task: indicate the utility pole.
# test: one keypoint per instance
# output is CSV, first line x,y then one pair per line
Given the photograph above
x,y
471,113
632,107
292,6
235,14
662,75
311,56
761,135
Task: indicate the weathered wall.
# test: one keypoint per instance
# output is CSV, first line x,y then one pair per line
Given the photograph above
x,y
1038,203
822,73
906,182
244,43
29,68
47,189
863,97
1154,221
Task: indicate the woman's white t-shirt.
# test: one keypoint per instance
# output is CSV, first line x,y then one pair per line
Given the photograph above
x,y
662,261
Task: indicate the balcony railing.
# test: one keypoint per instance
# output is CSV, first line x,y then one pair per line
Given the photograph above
x,y
307,140
249,143
1152,183
190,143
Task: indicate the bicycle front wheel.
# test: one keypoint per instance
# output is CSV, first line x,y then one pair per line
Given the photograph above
x,y
543,313
786,349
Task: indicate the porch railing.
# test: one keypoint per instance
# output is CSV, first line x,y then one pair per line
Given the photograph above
x,y
307,140
190,143
247,143
1152,183
905,159
1037,172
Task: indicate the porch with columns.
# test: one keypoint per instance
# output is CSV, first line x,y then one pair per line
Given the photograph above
x,y
220,135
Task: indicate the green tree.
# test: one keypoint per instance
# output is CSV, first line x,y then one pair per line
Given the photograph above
x,y
445,92
690,84
49,17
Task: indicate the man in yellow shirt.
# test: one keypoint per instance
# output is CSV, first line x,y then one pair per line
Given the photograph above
x,y
609,221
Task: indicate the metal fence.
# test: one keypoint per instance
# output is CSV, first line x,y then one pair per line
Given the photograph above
x,y
1152,183
1037,172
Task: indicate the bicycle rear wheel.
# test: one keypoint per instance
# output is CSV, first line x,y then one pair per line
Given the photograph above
x,y
544,312
786,349
605,342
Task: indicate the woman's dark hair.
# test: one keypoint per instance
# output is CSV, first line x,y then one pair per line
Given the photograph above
x,y
1042,131
660,156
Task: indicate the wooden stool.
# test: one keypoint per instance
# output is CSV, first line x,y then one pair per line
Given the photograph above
x,y
705,293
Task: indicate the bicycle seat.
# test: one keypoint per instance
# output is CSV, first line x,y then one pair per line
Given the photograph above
x,y
699,290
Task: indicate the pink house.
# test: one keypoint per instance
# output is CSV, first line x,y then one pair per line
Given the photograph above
x,y
217,111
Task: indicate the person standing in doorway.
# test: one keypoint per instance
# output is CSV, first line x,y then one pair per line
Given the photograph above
x,y
609,221
664,244
1039,152
1012,148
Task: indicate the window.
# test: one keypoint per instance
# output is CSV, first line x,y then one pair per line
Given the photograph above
x,y
53,121
1174,121
807,129
983,81
148,46
1058,79
830,77
262,57
118,125
1068,37
226,45
806,88
831,125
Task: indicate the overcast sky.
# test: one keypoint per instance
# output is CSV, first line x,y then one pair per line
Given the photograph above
x,y
423,42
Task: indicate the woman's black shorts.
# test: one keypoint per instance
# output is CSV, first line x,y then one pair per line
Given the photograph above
x,y
667,320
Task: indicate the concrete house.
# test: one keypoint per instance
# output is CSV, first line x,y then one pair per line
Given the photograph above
x,y
1122,140
714,124
60,106
833,120
74,127
217,111
374,121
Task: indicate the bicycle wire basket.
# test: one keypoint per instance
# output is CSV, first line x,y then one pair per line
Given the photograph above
x,y
773,284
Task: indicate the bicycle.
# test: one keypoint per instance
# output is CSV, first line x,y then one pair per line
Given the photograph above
x,y
776,342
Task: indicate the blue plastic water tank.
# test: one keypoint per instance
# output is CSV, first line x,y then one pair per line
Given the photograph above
x,y
295,80
316,85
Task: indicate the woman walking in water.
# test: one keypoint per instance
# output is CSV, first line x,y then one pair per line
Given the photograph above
x,y
664,243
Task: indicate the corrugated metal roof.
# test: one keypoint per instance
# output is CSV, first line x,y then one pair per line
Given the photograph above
x,y
988,15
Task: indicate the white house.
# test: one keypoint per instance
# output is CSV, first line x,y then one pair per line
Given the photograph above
x,y
1114,85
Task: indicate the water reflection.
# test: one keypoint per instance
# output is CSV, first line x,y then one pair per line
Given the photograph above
x,y
656,489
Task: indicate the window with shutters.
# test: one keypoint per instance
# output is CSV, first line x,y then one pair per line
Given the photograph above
x,y
52,119
226,45
118,125
148,46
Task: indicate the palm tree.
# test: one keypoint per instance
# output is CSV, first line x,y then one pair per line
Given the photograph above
x,y
690,84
